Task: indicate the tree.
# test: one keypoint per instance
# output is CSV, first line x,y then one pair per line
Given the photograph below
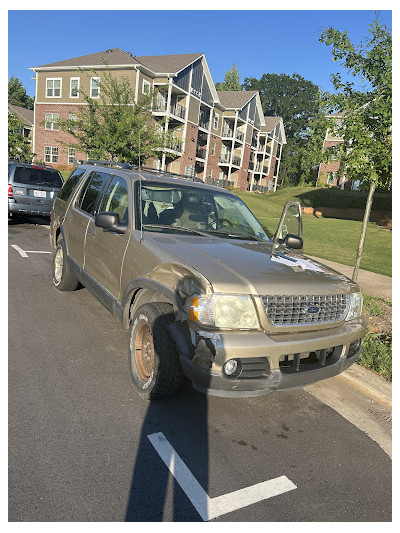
x,y
231,81
115,126
293,98
366,125
17,94
18,145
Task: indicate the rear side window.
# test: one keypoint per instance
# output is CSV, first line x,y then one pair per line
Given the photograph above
x,y
70,184
89,198
37,176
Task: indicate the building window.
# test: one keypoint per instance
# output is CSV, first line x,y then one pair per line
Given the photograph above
x,y
73,118
210,173
146,87
74,87
94,87
156,164
51,121
51,154
214,144
71,156
215,121
53,87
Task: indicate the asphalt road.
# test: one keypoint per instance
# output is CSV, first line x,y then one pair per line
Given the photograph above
x,y
78,432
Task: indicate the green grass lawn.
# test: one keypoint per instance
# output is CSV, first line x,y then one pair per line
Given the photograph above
x,y
327,238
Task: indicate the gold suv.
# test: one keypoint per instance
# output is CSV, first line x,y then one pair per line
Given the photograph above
x,y
206,291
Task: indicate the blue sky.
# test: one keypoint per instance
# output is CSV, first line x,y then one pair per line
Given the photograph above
x,y
257,41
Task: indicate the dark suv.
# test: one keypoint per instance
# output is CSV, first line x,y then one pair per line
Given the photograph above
x,y
32,188
204,290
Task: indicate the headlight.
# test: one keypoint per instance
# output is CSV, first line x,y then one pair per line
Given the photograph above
x,y
223,311
355,307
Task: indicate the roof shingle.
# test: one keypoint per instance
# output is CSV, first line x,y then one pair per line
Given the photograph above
x,y
235,99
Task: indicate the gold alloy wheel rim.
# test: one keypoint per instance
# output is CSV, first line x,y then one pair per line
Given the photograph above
x,y
58,265
144,351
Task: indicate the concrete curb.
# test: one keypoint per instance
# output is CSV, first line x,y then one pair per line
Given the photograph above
x,y
370,384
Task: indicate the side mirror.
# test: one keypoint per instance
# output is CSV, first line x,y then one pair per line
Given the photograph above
x,y
293,241
110,222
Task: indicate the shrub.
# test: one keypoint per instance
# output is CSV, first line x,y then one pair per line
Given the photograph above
x,y
377,354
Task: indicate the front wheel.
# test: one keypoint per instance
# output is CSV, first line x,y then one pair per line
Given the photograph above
x,y
63,278
155,367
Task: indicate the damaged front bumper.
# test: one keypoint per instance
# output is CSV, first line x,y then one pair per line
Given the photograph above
x,y
281,361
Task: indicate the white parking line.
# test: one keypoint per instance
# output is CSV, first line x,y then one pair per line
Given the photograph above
x,y
209,508
24,253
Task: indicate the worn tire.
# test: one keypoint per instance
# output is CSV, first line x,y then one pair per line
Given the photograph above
x,y
63,277
154,362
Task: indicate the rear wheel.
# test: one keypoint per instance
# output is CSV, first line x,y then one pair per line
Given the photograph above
x,y
155,367
63,278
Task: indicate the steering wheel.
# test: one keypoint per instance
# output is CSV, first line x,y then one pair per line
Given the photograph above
x,y
218,222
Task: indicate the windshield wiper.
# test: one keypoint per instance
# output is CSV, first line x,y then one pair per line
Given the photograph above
x,y
179,228
238,235
45,184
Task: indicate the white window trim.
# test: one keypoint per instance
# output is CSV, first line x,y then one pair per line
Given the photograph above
x,y
97,78
70,155
54,79
51,154
52,121
148,84
70,87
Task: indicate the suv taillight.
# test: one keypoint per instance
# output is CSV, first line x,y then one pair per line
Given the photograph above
x,y
10,191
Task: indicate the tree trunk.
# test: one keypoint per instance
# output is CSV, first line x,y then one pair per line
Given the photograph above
x,y
364,230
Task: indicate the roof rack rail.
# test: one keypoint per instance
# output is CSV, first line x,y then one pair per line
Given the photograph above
x,y
128,166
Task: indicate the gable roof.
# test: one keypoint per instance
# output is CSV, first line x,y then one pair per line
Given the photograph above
x,y
270,123
26,115
170,64
235,99
111,56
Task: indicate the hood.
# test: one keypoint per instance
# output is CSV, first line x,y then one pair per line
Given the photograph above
x,y
247,267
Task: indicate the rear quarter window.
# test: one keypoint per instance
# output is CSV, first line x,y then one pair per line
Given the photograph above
x,y
70,184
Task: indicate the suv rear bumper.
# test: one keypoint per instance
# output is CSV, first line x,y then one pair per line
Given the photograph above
x,y
29,210
276,374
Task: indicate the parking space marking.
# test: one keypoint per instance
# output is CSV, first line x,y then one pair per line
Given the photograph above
x,y
24,253
209,508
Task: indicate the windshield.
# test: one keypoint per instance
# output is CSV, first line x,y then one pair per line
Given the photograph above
x,y
179,208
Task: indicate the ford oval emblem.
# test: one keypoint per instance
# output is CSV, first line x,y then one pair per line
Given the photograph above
x,y
312,309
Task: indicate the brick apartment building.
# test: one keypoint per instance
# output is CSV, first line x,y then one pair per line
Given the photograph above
x,y
329,172
220,136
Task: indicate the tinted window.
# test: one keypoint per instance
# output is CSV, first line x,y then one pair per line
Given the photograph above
x,y
37,176
70,184
91,194
115,199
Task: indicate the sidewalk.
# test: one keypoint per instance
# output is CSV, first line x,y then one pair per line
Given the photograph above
x,y
372,284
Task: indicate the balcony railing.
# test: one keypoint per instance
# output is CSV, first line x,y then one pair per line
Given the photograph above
x,y
218,183
239,135
227,132
200,152
203,123
175,109
236,160
178,110
225,158
174,144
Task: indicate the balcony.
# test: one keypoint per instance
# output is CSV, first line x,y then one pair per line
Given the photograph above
x,y
239,135
224,159
251,165
200,152
218,182
160,106
178,110
204,123
202,138
236,161
174,144
227,132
